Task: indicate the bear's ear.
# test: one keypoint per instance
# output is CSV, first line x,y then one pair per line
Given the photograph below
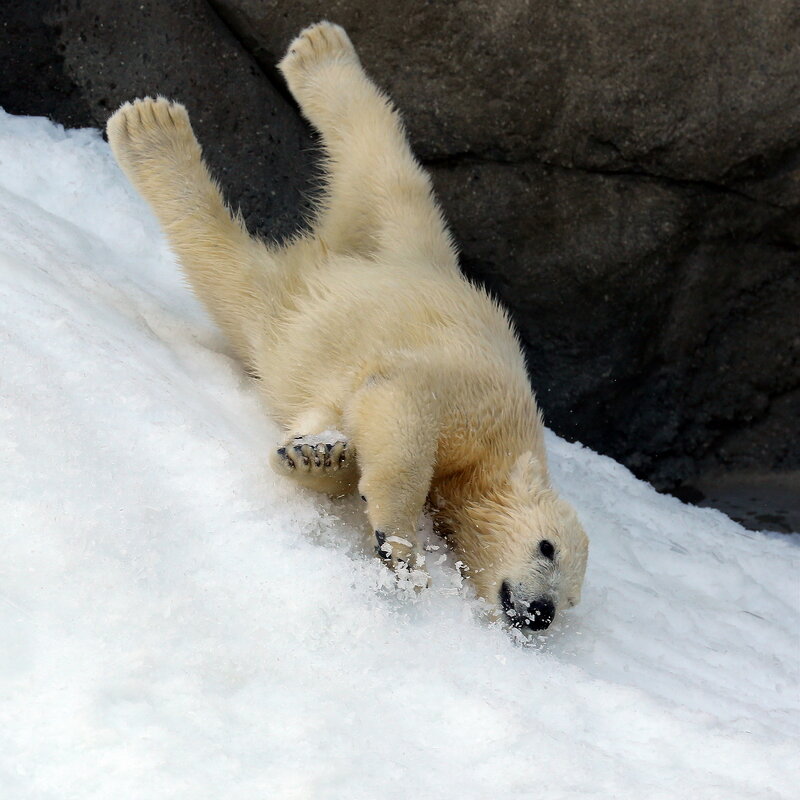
x,y
529,475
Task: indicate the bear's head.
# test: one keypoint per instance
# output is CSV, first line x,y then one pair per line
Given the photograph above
x,y
523,546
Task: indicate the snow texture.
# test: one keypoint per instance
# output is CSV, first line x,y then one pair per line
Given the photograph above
x,y
179,622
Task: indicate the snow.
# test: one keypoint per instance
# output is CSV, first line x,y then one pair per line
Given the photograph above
x,y
177,621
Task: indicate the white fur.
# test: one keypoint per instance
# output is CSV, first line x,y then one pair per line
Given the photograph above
x,y
366,326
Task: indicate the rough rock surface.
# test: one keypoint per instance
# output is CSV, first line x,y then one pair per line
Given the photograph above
x,y
258,147
624,175
697,90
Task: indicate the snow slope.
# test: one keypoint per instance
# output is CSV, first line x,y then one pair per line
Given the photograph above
x,y
177,622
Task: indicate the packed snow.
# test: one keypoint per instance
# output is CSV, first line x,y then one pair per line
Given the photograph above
x,y
179,622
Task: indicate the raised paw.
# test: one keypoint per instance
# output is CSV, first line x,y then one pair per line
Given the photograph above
x,y
148,129
316,45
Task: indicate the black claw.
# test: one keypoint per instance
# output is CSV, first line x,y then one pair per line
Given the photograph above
x,y
299,453
295,453
380,537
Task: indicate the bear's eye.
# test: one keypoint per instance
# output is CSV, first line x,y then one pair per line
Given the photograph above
x,y
546,549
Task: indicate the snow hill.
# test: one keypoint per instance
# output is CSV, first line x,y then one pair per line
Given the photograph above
x,y
177,622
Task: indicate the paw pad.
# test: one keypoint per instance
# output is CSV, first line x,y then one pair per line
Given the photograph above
x,y
317,44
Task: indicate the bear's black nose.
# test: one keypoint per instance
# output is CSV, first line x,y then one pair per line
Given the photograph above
x,y
540,614
536,617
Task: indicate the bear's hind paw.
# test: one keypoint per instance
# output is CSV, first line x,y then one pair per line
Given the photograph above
x,y
316,45
149,128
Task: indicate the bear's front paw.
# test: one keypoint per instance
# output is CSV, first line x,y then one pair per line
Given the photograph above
x,y
316,45
403,557
315,455
147,129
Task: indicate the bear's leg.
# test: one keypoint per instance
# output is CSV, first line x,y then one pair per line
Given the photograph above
x,y
396,436
154,144
379,200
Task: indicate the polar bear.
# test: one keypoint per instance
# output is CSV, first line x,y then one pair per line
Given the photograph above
x,y
387,369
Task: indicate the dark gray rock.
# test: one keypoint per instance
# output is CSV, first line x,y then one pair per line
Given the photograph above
x,y
693,89
652,312
32,78
624,175
759,501
258,147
